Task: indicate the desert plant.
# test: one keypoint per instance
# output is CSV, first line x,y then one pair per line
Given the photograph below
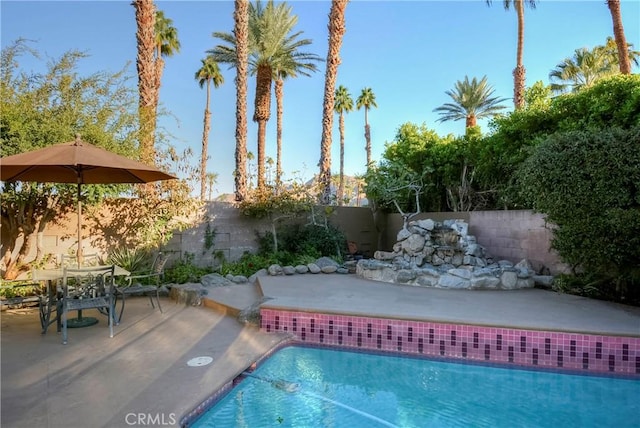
x,y
131,259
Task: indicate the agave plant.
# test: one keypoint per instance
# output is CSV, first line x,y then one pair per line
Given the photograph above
x,y
131,259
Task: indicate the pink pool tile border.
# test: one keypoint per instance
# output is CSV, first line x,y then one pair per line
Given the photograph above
x,y
529,348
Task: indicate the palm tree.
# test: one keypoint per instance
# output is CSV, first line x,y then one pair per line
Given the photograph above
x,y
343,104
618,33
367,99
519,72
250,170
336,33
587,66
212,179
270,45
292,63
471,101
241,30
580,71
166,44
208,73
610,49
145,65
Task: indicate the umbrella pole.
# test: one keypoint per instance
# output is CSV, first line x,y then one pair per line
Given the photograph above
x,y
80,321
79,253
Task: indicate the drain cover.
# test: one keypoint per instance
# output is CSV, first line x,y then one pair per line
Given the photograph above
x,y
199,361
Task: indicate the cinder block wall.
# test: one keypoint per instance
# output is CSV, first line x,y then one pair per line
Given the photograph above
x,y
515,235
235,234
511,235
358,225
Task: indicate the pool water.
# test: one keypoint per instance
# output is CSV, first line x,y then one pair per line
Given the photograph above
x,y
316,387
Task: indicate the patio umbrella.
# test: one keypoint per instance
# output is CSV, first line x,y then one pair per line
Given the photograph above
x,y
77,162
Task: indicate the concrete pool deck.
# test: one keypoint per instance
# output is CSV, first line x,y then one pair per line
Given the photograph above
x,y
141,376
534,309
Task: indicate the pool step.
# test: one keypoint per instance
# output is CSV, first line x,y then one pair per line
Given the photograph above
x,y
231,300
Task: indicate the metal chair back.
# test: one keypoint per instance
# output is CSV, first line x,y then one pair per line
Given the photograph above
x,y
88,288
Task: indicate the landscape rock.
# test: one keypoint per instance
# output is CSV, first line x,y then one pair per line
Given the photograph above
x,y
215,280
443,254
275,270
302,269
326,261
313,268
329,269
189,294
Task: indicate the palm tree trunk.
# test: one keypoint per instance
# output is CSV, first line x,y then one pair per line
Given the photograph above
x,y
205,143
519,71
241,30
261,115
336,32
145,64
279,90
159,65
618,33
471,121
262,135
341,185
367,136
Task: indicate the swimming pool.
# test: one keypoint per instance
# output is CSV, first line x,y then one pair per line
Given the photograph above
x,y
319,387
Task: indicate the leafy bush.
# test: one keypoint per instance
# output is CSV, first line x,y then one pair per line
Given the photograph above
x,y
249,263
298,244
310,240
588,185
610,102
15,288
185,271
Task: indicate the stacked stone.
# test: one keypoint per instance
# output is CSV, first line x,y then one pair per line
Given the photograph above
x,y
443,255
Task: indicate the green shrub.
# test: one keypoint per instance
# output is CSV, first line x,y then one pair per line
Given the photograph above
x,y
249,263
185,271
9,289
588,185
312,241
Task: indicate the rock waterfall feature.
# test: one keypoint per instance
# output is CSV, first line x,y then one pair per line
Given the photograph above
x,y
443,255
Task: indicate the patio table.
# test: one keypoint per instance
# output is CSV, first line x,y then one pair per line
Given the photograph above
x,y
50,302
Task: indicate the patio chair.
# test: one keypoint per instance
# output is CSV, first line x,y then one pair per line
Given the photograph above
x,y
87,288
68,260
144,283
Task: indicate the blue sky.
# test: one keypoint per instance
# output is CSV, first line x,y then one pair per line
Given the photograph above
x,y
408,52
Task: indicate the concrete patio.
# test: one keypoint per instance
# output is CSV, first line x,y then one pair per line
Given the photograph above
x,y
141,376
